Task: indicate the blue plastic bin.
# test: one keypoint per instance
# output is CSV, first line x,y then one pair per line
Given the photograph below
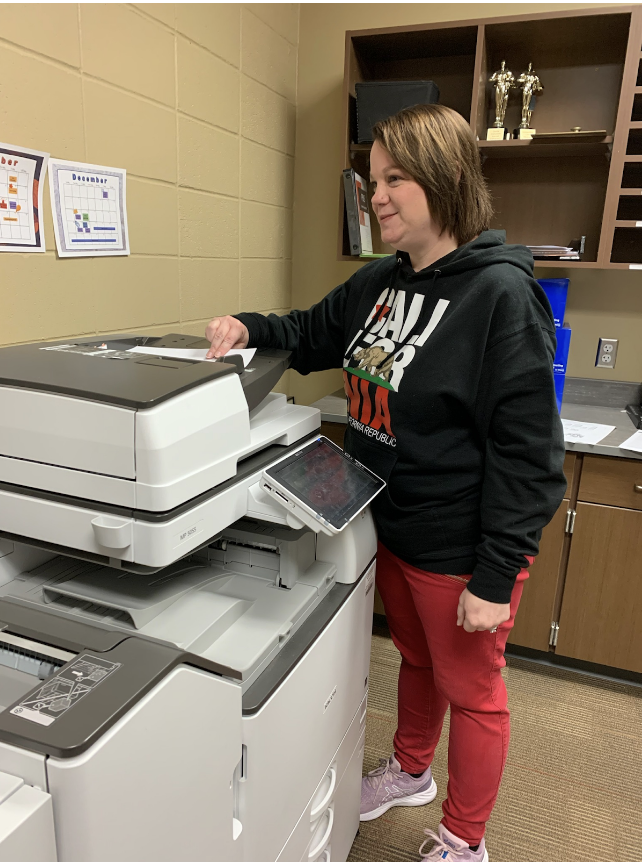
x,y
560,363
563,346
556,289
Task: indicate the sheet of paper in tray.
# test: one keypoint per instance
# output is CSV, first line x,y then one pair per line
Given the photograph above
x,y
198,355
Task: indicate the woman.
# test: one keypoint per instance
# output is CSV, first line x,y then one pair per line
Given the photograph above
x,y
447,351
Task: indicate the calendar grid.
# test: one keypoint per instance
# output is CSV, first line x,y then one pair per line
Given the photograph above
x,y
21,172
89,205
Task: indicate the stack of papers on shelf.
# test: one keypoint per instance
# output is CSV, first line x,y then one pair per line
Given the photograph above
x,y
553,252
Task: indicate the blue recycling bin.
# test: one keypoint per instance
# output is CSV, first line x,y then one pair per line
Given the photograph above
x,y
556,289
560,363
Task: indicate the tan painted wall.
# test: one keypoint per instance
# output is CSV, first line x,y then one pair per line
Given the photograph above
x,y
197,102
600,303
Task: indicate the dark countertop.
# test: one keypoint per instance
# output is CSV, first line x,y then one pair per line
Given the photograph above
x,y
598,401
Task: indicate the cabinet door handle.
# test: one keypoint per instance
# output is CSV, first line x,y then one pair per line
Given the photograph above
x,y
637,489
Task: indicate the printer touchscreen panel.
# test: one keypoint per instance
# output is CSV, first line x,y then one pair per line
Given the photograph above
x,y
327,481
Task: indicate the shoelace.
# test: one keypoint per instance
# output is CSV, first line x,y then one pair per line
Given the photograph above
x,y
438,847
379,775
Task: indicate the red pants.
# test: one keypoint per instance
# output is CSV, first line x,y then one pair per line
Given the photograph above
x,y
443,664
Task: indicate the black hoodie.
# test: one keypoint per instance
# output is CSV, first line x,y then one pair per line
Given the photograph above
x,y
449,380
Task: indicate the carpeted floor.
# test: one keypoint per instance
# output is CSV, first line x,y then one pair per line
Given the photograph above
x,y
572,788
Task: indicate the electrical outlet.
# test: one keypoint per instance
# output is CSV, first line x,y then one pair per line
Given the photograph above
x,y
606,353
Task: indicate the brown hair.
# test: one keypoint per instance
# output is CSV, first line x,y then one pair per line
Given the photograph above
x,y
436,146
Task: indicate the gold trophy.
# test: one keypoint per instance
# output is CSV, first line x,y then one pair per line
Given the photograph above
x,y
504,81
530,85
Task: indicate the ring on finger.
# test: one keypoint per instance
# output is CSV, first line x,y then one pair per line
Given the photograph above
x,y
493,630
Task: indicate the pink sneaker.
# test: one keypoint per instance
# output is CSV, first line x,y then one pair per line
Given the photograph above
x,y
389,785
448,848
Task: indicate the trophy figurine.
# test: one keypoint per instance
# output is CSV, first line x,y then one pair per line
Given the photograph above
x,y
530,85
504,81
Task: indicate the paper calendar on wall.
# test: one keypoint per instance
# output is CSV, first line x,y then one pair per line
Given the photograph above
x,y
22,174
89,209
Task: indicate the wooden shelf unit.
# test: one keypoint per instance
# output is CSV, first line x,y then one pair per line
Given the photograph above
x,y
544,192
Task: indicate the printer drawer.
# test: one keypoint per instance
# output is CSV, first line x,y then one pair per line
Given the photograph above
x,y
338,793
305,722
58,524
346,807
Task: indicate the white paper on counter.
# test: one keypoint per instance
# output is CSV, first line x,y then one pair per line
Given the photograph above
x,y
195,355
585,432
634,443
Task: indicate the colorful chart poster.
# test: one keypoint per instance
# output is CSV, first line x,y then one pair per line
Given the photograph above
x,y
89,209
22,174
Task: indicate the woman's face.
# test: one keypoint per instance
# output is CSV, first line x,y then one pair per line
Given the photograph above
x,y
399,203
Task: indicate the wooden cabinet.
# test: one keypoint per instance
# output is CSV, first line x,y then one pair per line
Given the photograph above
x,y
544,192
537,606
334,431
612,481
587,580
601,618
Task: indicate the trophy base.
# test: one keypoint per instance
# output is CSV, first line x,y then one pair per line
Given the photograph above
x,y
524,134
495,134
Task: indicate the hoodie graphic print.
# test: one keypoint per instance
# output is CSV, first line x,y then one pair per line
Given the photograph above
x,y
380,353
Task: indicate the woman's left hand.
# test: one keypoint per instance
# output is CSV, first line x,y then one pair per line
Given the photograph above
x,y
478,615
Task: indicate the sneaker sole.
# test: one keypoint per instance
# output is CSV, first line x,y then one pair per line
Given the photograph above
x,y
407,801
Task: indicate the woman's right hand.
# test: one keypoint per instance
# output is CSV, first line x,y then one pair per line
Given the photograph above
x,y
225,333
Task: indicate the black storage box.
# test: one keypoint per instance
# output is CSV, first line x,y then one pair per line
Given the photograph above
x,y
378,100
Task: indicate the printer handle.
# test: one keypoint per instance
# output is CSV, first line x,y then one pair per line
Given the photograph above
x,y
112,532
318,849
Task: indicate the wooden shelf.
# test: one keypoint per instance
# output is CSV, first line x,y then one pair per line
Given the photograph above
x,y
626,223
566,264
551,148
552,264
544,191
534,149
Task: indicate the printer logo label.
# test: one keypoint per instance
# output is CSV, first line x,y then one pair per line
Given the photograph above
x,y
329,699
188,533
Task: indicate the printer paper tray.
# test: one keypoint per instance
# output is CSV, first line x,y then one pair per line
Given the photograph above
x,y
138,544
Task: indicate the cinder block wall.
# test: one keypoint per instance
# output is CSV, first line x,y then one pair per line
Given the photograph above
x,y
197,102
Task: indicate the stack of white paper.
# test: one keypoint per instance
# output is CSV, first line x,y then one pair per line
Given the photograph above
x,y
554,252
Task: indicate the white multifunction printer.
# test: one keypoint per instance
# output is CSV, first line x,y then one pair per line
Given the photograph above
x,y
186,589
